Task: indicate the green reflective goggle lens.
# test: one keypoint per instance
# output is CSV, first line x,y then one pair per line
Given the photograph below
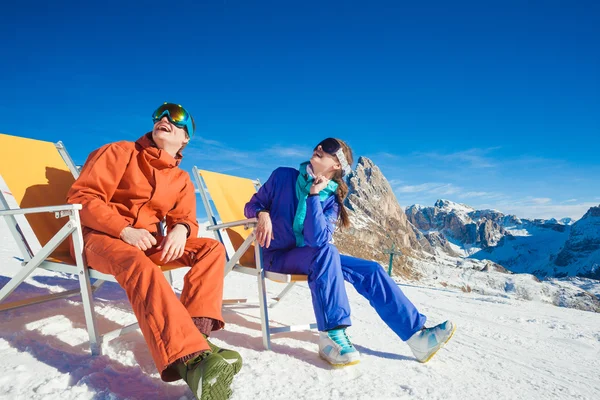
x,y
177,115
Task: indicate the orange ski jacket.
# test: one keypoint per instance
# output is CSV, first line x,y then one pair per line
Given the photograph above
x,y
134,184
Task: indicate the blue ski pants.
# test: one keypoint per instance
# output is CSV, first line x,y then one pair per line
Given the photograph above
x,y
327,269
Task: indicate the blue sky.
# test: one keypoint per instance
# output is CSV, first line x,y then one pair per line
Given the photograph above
x,y
493,104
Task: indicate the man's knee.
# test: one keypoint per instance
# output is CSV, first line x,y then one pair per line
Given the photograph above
x,y
217,247
111,255
207,249
201,245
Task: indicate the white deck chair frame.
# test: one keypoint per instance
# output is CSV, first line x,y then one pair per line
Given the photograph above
x,y
234,256
35,256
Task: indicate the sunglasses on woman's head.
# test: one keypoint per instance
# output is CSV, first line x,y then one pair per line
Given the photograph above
x,y
333,147
329,146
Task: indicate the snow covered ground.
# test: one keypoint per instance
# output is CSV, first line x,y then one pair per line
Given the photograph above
x,y
504,348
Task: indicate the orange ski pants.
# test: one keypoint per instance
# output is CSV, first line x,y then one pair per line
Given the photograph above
x,y
165,321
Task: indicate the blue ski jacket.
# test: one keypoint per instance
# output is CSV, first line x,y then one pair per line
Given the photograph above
x,y
278,196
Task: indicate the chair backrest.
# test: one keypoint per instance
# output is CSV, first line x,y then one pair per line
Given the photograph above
x,y
229,195
35,174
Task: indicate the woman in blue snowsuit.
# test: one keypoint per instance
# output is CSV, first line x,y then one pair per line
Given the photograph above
x,y
297,212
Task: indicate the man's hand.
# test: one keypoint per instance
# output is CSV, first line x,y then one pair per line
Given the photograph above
x,y
173,245
140,238
264,230
319,184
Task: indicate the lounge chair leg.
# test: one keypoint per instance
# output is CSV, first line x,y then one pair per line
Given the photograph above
x,y
86,295
285,291
264,313
88,308
262,296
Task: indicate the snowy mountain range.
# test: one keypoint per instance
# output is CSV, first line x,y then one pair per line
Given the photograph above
x,y
545,248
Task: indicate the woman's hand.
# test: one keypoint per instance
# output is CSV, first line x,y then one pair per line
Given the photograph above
x,y
319,184
264,230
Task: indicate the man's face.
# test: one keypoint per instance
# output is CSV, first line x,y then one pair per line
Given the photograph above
x,y
167,135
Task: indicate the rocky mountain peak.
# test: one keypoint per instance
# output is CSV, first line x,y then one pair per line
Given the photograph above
x,y
459,222
582,249
376,217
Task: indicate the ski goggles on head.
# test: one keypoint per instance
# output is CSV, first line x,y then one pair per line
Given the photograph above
x,y
333,147
177,115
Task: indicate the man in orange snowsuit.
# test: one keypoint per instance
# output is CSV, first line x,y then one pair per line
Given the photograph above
x,y
126,190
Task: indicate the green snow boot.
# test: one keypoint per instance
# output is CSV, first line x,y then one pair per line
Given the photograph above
x,y
231,356
208,375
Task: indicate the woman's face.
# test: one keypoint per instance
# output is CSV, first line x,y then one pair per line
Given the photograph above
x,y
324,163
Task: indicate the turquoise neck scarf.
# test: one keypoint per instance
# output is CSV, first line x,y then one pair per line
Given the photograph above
x,y
303,184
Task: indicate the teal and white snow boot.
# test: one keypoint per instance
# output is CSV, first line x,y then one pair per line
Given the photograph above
x,y
426,342
335,348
